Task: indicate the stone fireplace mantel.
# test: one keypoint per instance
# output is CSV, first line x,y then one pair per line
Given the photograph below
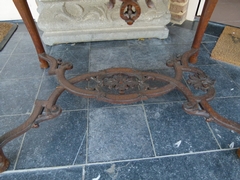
x,y
69,21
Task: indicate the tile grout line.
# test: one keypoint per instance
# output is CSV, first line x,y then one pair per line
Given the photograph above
x,y
5,64
206,48
87,133
9,115
149,131
39,87
20,148
21,78
80,146
118,161
130,54
164,156
10,55
86,138
214,135
19,152
89,52
88,106
83,172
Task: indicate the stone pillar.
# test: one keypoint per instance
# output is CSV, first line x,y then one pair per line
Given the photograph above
x,y
69,21
178,9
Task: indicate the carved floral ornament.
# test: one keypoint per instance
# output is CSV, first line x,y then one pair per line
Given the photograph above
x,y
130,10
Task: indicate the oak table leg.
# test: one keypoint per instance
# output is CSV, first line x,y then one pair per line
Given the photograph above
x,y
205,17
24,11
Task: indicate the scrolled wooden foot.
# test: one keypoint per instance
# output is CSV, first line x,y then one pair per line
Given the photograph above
x,y
4,162
43,64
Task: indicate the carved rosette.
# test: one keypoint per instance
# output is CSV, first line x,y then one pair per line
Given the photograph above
x,y
130,11
119,83
200,81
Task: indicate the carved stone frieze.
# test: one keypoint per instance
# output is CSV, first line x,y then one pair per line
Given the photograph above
x,y
92,20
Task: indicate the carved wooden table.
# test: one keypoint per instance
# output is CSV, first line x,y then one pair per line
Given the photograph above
x,y
121,85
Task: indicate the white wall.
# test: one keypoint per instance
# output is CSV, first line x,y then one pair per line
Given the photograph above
x,y
192,8
8,10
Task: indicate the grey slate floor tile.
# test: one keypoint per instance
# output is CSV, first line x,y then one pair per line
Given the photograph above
x,y
62,141
15,99
186,35
25,45
118,134
108,44
209,46
189,131
27,66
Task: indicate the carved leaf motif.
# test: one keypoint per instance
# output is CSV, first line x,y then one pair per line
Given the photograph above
x,y
119,82
200,81
96,13
72,9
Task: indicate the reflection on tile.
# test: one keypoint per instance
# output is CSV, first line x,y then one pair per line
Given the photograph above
x,y
109,57
108,44
56,142
69,47
175,132
171,39
155,57
118,133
